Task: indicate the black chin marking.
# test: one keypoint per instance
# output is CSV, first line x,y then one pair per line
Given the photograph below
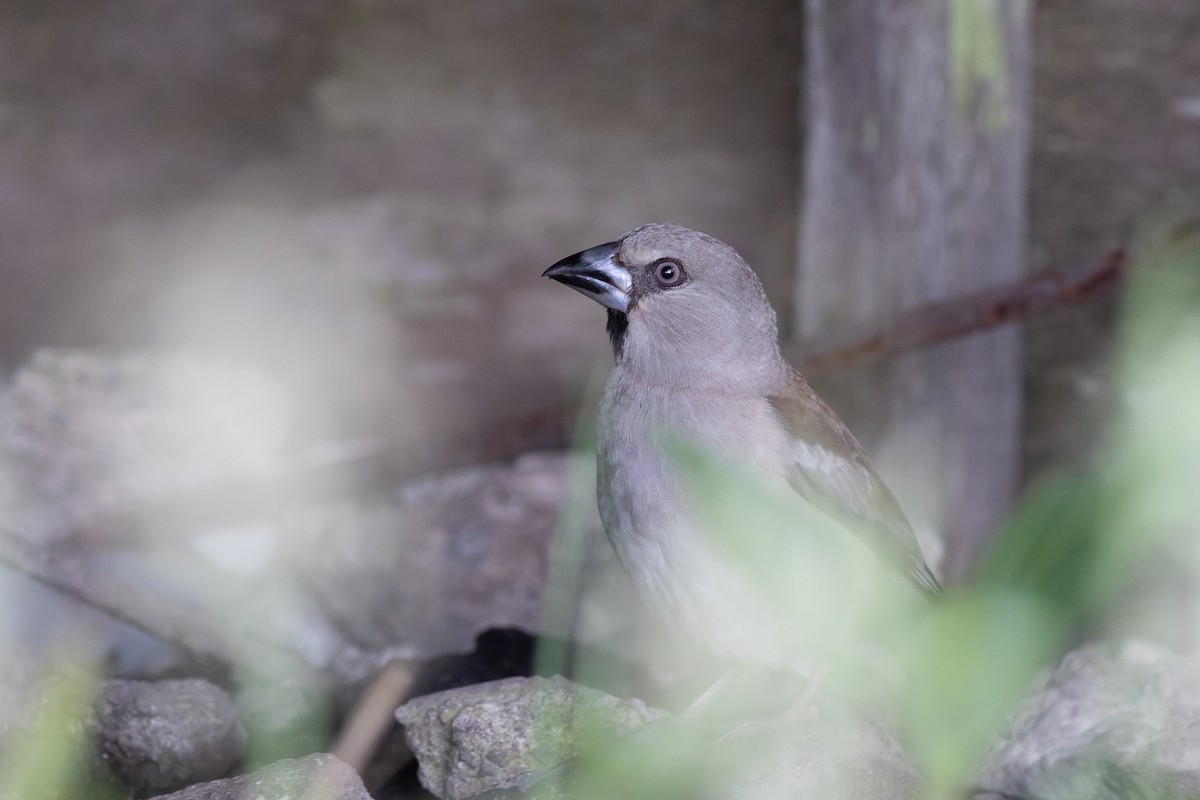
x,y
618,323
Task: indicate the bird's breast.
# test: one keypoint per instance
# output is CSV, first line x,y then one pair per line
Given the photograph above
x,y
743,432
648,513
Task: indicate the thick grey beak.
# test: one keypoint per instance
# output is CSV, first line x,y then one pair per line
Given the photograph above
x,y
596,273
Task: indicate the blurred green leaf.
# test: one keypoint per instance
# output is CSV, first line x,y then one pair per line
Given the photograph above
x,y
1052,549
51,756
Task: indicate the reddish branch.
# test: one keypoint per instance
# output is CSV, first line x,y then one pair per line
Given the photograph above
x,y
962,315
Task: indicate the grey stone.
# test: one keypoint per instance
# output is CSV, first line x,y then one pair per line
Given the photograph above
x,y
161,736
507,734
452,554
316,777
1109,722
86,436
553,740
456,553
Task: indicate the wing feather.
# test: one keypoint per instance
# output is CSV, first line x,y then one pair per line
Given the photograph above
x,y
830,470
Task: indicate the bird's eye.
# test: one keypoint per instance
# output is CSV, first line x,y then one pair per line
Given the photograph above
x,y
668,273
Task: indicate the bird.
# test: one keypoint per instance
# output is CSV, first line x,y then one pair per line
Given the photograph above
x,y
696,348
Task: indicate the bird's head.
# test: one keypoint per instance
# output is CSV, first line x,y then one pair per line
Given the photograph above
x,y
684,309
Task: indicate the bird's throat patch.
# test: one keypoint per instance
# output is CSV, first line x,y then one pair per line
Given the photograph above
x,y
618,323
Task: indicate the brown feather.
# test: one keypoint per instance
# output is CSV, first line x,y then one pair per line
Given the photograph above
x,y
844,485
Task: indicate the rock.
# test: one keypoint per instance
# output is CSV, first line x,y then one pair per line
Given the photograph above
x,y
315,777
146,737
551,739
506,734
161,736
97,448
1109,722
421,574
454,554
86,437
384,758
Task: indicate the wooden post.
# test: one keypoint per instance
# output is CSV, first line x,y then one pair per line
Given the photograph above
x,y
915,176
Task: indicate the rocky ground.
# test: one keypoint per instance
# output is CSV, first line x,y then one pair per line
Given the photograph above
x,y
204,637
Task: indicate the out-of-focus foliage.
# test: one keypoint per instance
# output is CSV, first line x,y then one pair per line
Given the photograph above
x,y
49,759
49,755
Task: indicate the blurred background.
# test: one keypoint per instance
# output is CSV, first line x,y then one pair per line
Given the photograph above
x,y
236,234
359,195
365,193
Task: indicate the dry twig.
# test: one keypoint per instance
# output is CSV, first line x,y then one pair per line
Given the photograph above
x,y
963,315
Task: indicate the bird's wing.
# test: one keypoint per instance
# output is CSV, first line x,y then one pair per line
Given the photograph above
x,y
829,469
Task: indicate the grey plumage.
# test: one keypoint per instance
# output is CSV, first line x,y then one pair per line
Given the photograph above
x,y
696,348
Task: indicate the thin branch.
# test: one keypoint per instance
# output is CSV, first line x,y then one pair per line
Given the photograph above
x,y
960,316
